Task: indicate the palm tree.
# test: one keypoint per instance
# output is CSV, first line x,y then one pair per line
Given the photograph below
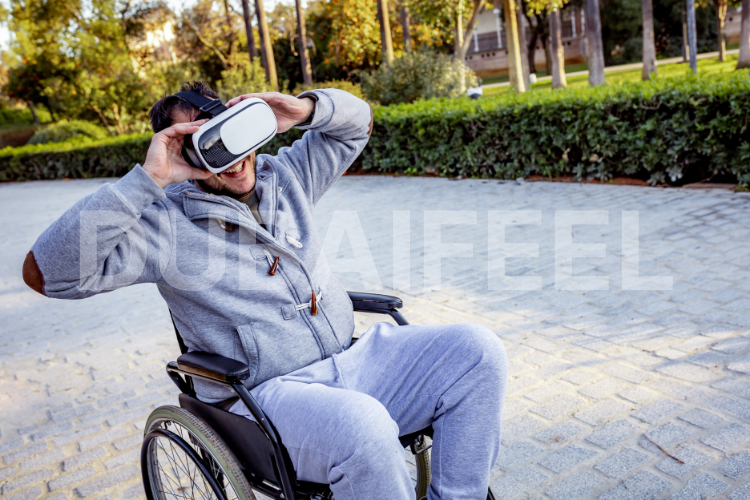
x,y
557,51
744,60
304,59
649,48
595,46
385,32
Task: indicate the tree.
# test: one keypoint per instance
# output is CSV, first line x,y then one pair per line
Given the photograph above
x,y
557,51
515,65
692,36
744,59
266,50
721,15
386,42
302,38
594,42
649,48
251,49
405,28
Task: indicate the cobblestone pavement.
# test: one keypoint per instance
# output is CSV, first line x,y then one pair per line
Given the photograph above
x,y
616,394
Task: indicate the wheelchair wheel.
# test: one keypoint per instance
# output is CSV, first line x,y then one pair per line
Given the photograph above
x,y
182,458
421,451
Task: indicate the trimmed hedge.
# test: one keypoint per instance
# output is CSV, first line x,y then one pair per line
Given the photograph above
x,y
666,130
663,130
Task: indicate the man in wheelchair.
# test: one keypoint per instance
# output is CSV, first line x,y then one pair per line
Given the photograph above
x,y
238,260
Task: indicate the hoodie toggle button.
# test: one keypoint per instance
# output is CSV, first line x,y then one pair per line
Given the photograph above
x,y
313,305
274,266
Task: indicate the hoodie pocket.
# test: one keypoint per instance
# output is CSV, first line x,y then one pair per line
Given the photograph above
x,y
275,348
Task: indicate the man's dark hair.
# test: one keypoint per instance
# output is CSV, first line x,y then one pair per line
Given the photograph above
x,y
162,113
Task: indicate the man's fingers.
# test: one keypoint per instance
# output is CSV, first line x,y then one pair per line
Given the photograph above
x,y
239,98
197,173
181,129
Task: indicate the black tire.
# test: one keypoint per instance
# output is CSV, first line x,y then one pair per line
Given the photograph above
x,y
421,451
211,450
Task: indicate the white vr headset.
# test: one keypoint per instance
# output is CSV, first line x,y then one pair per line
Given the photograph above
x,y
229,135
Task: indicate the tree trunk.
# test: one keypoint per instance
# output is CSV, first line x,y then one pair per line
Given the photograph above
x,y
692,36
557,51
304,59
405,28
721,15
514,49
385,32
229,27
521,20
251,49
266,49
531,50
33,112
595,46
685,44
458,36
466,37
744,60
649,48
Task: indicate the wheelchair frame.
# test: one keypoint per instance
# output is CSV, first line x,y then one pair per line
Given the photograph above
x,y
231,373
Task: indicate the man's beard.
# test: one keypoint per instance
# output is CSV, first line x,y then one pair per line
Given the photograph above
x,y
223,191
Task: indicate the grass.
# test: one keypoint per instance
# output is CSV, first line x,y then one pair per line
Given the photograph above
x,y
705,67
571,68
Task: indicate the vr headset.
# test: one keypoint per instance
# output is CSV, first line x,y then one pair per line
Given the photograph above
x,y
229,135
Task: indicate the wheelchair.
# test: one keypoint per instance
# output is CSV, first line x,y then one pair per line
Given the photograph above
x,y
202,451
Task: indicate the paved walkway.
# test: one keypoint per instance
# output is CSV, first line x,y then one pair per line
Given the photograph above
x,y
614,393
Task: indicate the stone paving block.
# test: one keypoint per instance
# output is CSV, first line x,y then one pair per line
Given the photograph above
x,y
732,345
11,445
519,482
701,487
71,478
579,486
116,398
7,472
128,442
691,460
666,435
652,413
622,463
131,456
147,398
26,480
642,486
558,406
741,493
43,459
559,433
26,451
133,491
102,438
728,438
600,410
688,372
636,394
578,377
108,480
733,385
602,388
700,418
611,434
52,430
676,389
632,375
517,452
513,407
742,364
519,384
732,406
566,458
98,416
84,458
67,414
735,466
57,496
69,437
518,426
30,494
709,359
547,390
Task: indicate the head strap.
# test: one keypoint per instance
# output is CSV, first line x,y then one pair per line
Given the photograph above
x,y
206,105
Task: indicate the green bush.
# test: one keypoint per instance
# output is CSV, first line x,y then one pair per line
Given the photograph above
x,y
244,78
14,116
418,75
346,85
75,159
64,130
664,130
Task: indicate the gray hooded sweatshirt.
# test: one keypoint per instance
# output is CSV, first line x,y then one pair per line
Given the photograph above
x,y
210,259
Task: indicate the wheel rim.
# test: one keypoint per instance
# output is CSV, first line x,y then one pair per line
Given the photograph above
x,y
175,475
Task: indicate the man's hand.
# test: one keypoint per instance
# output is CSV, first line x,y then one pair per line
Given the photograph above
x,y
164,162
289,110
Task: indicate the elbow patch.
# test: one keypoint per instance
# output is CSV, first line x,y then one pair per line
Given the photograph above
x,y
32,275
372,121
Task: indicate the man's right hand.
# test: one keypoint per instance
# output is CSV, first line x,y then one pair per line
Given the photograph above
x,y
164,162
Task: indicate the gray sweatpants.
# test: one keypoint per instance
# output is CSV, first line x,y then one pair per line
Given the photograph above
x,y
340,418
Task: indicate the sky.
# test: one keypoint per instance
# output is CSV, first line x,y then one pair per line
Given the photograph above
x,y
175,5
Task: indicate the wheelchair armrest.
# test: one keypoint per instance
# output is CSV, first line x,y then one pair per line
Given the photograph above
x,y
373,302
213,366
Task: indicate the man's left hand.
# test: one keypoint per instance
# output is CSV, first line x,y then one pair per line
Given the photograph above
x,y
289,110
